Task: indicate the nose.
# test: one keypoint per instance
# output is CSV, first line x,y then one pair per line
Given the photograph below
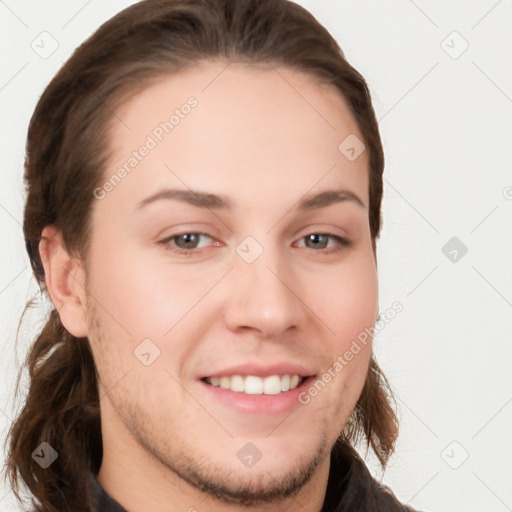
x,y
263,297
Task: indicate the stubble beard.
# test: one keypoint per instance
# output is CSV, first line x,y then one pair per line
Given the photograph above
x,y
264,489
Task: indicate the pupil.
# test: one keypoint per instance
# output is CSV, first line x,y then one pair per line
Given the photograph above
x,y
189,239
316,240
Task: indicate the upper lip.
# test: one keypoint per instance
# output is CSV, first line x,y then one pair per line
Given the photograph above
x,y
263,370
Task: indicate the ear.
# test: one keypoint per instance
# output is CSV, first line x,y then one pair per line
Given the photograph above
x,y
65,281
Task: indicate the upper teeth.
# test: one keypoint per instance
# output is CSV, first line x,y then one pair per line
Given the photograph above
x,y
253,385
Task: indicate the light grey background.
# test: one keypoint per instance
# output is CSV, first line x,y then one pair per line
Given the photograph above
x,y
445,115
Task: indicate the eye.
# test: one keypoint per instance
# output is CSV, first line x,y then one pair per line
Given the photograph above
x,y
320,241
187,243
183,243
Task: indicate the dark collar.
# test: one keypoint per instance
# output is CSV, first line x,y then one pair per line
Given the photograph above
x,y
104,503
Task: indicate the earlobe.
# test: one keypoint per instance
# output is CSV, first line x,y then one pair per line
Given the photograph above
x,y
65,281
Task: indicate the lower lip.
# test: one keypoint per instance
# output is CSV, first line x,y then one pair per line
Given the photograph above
x,y
281,403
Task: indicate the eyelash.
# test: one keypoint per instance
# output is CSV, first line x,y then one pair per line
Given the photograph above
x,y
343,243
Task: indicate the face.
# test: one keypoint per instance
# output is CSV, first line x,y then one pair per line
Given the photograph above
x,y
223,283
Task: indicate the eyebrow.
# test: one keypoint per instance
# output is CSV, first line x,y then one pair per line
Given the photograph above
x,y
218,201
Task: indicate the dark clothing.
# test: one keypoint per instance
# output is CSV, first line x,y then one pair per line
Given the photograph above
x,y
350,488
104,503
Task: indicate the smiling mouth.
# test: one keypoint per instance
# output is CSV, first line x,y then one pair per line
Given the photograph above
x,y
255,385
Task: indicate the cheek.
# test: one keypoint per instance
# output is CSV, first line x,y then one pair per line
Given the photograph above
x,y
350,301
139,300
144,298
349,309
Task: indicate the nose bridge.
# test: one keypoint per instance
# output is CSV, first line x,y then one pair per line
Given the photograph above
x,y
262,296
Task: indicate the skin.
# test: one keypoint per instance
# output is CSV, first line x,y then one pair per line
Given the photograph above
x,y
168,445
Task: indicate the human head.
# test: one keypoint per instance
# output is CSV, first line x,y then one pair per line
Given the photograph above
x,y
69,151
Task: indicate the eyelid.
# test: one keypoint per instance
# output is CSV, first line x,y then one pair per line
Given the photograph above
x,y
320,228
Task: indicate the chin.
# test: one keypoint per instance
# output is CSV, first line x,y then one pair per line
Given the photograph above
x,y
272,478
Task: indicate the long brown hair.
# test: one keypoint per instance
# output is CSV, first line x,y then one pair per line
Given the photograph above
x,y
66,153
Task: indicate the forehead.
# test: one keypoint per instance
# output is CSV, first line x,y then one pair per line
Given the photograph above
x,y
247,129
